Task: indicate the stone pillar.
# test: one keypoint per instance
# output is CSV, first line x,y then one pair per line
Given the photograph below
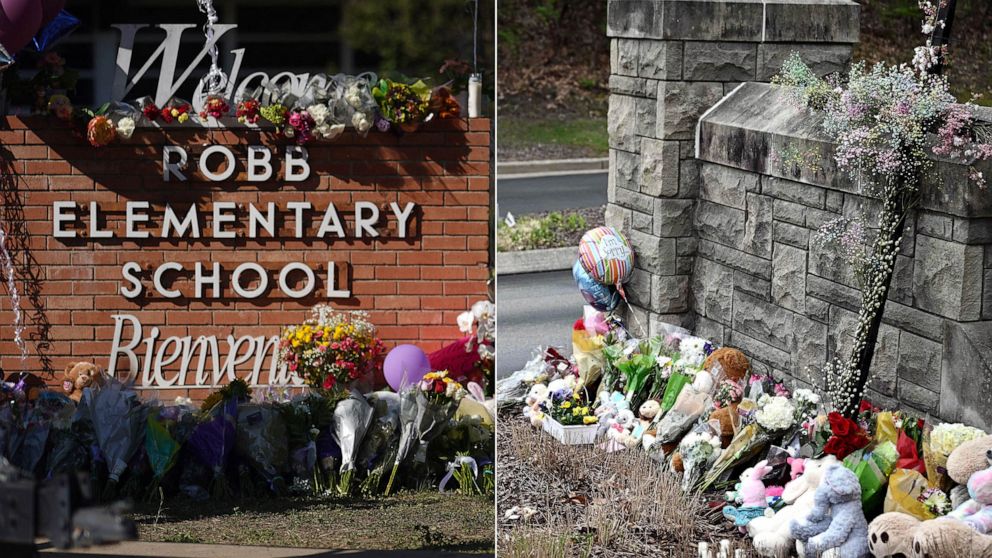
x,y
671,60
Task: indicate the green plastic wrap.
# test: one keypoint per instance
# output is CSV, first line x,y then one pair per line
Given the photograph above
x,y
676,382
161,448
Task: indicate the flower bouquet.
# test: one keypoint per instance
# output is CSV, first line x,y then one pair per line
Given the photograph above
x,y
352,419
308,418
699,450
215,107
248,111
118,419
443,104
939,444
377,447
425,410
332,349
162,450
403,105
213,440
275,113
262,442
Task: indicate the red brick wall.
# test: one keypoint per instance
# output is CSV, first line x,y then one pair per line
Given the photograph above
x,y
413,287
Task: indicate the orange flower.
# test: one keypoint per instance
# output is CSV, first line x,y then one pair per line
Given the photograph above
x,y
100,131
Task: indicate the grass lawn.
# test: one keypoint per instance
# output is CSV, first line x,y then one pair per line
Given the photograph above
x,y
407,521
577,137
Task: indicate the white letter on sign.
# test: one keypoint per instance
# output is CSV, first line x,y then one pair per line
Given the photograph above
x,y
59,216
293,162
222,176
157,279
116,349
170,169
259,157
306,290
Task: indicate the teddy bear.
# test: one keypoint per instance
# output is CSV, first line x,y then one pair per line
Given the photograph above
x,y
770,533
732,362
537,395
977,512
752,494
836,520
79,376
894,533
964,463
949,538
644,430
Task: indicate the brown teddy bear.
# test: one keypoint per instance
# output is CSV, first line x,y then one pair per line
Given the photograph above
x,y
896,534
79,376
949,538
733,362
735,367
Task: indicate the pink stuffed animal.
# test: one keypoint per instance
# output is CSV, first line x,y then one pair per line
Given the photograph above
x,y
796,467
752,488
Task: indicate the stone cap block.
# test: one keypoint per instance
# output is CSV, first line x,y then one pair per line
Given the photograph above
x,y
806,21
753,126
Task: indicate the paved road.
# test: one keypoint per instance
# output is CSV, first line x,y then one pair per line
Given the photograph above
x,y
534,309
551,193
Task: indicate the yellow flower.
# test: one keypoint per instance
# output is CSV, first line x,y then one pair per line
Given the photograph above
x,y
590,419
576,411
296,343
175,113
566,404
575,395
183,117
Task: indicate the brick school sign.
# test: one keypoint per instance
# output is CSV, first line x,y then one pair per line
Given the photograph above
x,y
174,258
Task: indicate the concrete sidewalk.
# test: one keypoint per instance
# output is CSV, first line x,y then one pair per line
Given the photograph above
x,y
552,167
139,549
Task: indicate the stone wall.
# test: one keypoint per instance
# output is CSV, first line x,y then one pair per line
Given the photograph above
x,y
762,284
701,181
671,60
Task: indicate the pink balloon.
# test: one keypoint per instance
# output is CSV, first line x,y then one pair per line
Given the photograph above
x,y
50,9
19,21
405,365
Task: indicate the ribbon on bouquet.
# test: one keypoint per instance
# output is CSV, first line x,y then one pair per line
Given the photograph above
x,y
457,464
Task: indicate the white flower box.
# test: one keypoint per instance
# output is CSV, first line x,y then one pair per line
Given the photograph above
x,y
570,435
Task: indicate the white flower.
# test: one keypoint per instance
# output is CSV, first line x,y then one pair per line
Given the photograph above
x,y
183,401
465,321
334,131
776,413
946,437
360,122
319,113
807,396
927,28
482,310
354,96
125,127
289,131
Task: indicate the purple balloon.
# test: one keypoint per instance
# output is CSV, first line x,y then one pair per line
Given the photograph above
x,y
19,21
405,365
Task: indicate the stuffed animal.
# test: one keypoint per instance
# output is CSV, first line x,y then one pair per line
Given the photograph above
x,y
732,362
948,538
796,466
537,395
836,520
894,534
752,493
644,430
977,512
621,427
771,534
79,376
966,460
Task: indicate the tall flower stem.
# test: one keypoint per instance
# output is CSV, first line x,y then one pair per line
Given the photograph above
x,y
898,199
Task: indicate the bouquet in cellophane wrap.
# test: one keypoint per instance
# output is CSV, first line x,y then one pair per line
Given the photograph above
x,y
332,349
425,410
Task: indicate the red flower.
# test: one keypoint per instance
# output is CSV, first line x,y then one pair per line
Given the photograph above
x,y
166,115
329,381
840,425
150,111
438,387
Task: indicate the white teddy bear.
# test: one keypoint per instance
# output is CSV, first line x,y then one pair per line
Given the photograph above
x,y
770,533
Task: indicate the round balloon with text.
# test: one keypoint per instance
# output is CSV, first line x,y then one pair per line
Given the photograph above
x,y
606,255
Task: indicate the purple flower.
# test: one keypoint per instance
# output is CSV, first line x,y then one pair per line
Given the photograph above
x,y
382,124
